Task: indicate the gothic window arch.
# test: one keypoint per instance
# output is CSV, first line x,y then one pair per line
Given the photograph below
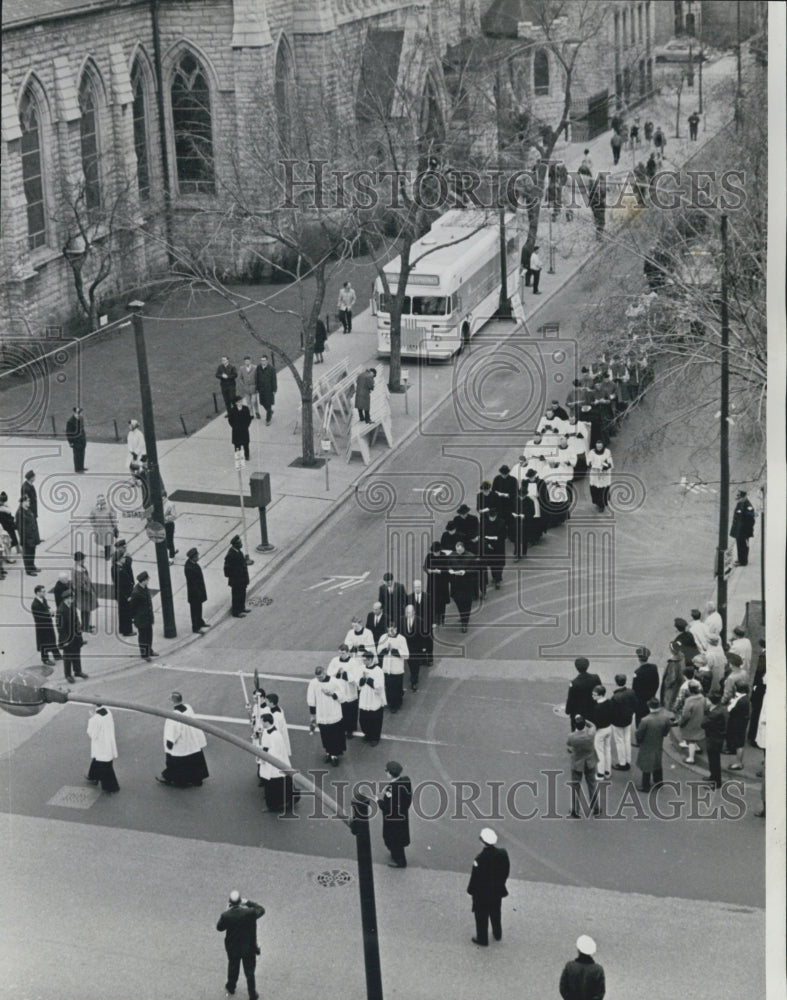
x,y
192,126
141,112
31,121
541,73
90,140
284,79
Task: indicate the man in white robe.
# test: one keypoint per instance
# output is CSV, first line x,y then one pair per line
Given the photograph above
x,y
103,750
371,699
277,781
324,698
347,670
183,746
359,637
392,651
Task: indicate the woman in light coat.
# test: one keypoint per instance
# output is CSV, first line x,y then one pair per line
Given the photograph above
x,y
692,734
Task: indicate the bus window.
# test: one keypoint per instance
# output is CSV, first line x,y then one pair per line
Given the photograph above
x,y
386,300
429,305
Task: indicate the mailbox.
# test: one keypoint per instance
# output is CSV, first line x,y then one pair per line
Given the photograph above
x,y
260,483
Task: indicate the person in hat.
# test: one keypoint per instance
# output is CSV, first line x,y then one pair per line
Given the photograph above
x,y
77,438
582,978
46,639
141,606
239,924
324,698
487,887
371,699
364,386
183,745
395,805
742,527
69,637
196,594
84,591
103,750
123,580
237,574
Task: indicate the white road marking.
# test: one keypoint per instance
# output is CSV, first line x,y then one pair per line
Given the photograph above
x,y
343,582
227,673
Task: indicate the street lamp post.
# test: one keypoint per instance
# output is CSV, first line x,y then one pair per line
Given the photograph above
x,y
21,694
154,476
724,439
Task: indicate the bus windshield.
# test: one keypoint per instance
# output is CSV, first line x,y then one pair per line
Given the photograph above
x,y
386,301
430,305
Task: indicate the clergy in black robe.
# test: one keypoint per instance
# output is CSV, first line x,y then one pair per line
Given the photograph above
x,y
436,569
467,528
463,573
504,487
493,546
524,511
394,805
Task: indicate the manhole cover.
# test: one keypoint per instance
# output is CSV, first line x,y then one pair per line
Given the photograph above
x,y
257,602
72,797
332,878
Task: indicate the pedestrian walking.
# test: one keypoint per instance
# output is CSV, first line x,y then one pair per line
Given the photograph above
x,y
535,269
623,702
123,581
579,700
137,449
463,576
323,696
84,592
634,133
394,805
345,305
600,466
185,763
493,533
660,142
27,533
320,336
392,595
277,781
582,978
586,166
46,639
581,745
364,386
239,924
648,130
239,417
694,124
267,385
415,635
371,699
645,683
742,528
650,739
602,738
524,260
77,438
237,573
141,606
104,526
487,887
227,375
246,384
196,594
103,750
436,568
597,200
377,622
392,652
617,144
69,637
170,516
347,669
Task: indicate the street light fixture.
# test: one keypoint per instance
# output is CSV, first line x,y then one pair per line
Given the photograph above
x,y
22,694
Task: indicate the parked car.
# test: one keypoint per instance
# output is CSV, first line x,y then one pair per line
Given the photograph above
x,y
680,49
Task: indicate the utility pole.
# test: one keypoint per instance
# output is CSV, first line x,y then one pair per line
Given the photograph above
x,y
154,476
724,440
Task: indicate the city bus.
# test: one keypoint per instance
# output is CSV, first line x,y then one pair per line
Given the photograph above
x,y
454,290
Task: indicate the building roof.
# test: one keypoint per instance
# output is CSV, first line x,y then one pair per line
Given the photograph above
x,y
18,13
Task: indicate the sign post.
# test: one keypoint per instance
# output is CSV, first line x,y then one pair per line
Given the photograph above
x,y
240,465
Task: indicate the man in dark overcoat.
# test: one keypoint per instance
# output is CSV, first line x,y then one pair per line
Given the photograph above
x,y
46,640
69,637
394,805
583,978
237,574
650,738
377,621
196,594
239,924
240,419
393,597
580,691
487,887
123,580
715,726
77,438
227,375
644,683
266,386
141,607
27,532
364,385
742,526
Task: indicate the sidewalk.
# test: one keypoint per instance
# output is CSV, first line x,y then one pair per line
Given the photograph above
x,y
204,463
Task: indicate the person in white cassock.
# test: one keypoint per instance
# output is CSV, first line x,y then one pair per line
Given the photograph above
x,y
600,467
280,720
392,651
103,750
347,669
183,745
371,699
359,637
324,698
276,781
